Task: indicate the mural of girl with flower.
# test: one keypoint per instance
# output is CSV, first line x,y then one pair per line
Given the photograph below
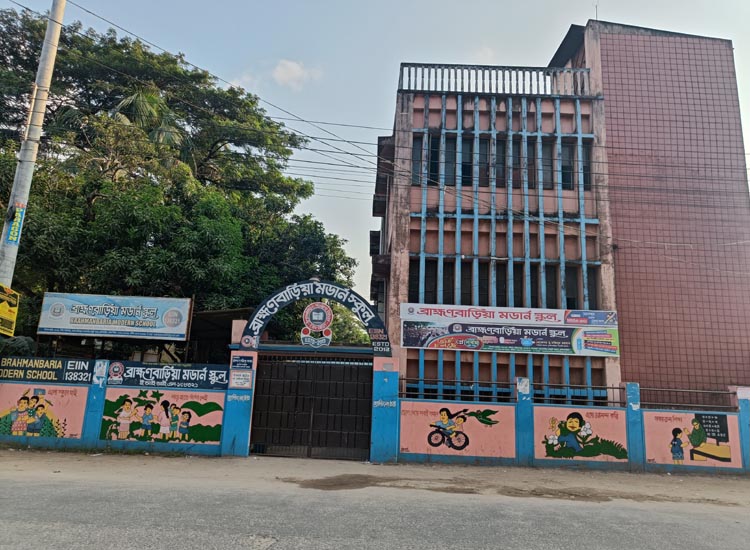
x,y
574,437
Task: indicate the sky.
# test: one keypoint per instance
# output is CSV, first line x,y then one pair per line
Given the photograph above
x,y
337,61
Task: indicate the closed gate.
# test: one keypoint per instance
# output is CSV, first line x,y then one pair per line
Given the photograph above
x,y
312,405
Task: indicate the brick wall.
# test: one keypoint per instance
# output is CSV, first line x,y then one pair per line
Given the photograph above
x,y
680,208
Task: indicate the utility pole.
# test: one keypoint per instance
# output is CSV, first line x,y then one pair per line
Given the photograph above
x,y
19,195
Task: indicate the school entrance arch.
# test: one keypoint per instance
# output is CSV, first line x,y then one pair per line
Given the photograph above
x,y
328,402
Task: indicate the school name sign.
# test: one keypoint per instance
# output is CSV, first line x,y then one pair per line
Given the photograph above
x,y
115,316
510,330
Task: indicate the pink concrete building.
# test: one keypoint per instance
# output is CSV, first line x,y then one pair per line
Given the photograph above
x,y
614,179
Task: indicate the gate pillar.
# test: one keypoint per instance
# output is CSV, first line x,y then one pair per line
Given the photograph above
x,y
235,436
385,410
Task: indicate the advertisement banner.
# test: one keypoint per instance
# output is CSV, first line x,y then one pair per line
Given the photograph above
x,y
161,375
8,310
510,330
118,316
508,315
39,369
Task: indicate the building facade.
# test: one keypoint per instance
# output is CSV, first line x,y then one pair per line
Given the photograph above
x,y
613,179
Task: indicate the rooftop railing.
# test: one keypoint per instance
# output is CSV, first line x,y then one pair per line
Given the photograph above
x,y
481,79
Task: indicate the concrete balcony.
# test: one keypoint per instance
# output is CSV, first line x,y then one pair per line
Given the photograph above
x,y
486,79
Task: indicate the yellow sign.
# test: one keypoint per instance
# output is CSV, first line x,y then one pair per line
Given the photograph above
x,y
8,310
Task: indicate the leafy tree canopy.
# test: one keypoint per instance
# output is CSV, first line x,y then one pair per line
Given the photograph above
x,y
152,179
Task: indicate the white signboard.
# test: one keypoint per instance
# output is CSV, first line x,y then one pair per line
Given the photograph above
x,y
115,316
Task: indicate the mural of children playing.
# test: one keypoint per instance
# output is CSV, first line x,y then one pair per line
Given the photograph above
x,y
146,420
677,446
19,416
164,420
185,425
126,415
32,416
174,422
449,428
573,437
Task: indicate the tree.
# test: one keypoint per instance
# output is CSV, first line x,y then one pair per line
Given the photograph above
x,y
152,179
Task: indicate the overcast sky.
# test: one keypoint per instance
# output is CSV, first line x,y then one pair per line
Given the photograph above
x,y
337,61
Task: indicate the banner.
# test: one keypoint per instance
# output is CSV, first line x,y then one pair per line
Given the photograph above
x,y
511,315
8,310
510,330
118,316
176,375
37,369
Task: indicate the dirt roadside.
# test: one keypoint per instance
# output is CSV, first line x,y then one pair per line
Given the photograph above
x,y
330,475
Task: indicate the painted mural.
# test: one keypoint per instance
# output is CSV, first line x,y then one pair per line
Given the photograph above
x,y
580,433
692,439
42,410
134,414
450,428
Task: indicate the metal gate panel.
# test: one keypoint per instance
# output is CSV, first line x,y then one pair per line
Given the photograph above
x,y
312,405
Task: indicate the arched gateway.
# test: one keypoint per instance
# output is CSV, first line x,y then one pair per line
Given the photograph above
x,y
326,402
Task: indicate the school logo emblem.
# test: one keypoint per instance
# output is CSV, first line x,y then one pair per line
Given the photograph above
x,y
317,318
116,372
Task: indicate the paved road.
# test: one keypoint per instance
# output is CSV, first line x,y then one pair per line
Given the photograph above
x,y
78,501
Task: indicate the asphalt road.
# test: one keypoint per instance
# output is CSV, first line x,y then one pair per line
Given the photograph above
x,y
80,501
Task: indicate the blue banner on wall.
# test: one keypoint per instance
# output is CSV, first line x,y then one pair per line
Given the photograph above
x,y
176,375
41,370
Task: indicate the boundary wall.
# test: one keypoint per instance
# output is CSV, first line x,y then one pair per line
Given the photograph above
x,y
58,403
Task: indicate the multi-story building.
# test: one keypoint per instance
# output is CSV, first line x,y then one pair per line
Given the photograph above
x,y
613,179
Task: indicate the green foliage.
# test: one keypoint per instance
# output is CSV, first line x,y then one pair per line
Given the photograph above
x,y
153,180
202,409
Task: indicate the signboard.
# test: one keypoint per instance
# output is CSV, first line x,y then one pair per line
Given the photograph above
x,y
160,375
8,310
241,379
16,224
41,370
117,316
242,361
510,330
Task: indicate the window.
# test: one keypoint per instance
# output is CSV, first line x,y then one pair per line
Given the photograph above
x,y
551,285
450,160
430,282
586,167
548,174
466,281
414,281
500,175
518,284
568,167
416,160
501,288
484,162
592,275
434,161
449,282
535,297
571,287
484,284
467,161
520,162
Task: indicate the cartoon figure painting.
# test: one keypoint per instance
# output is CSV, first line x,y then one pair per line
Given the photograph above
x,y
574,437
677,446
685,438
449,428
162,415
33,415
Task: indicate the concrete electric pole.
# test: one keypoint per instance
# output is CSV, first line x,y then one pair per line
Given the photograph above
x,y
19,195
